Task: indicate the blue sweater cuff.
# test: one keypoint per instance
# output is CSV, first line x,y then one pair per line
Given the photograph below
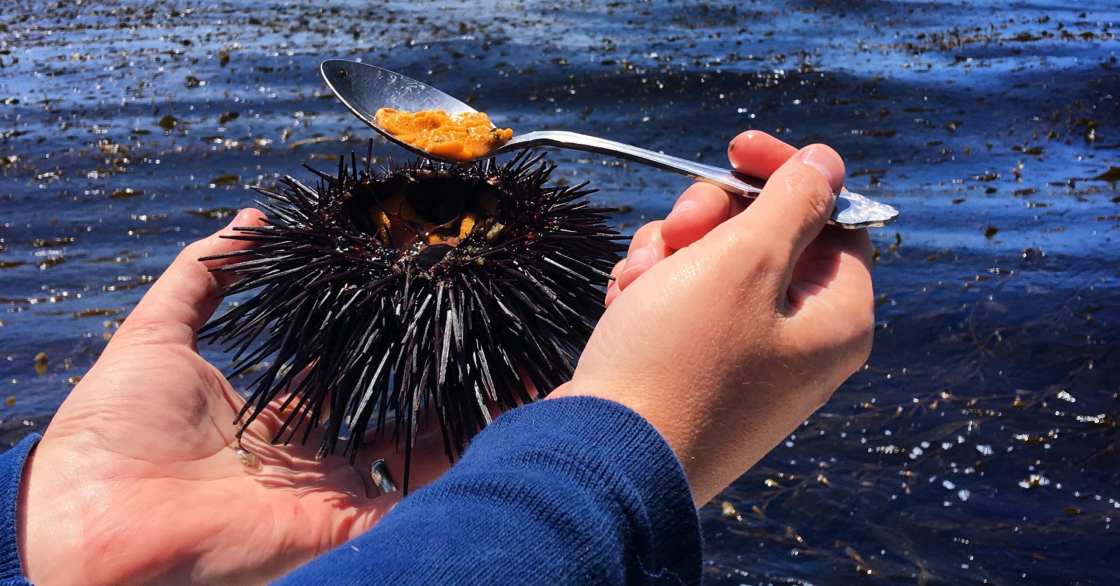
x,y
612,451
11,473
573,490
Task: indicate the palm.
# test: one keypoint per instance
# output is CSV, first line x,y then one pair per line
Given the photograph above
x,y
157,492
168,428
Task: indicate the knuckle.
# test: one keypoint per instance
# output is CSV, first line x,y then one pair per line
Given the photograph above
x,y
188,263
194,250
140,330
735,241
153,333
751,251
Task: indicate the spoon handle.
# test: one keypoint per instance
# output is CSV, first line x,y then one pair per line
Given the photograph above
x,y
852,210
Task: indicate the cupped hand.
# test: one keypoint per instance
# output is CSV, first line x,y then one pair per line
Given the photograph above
x,y
729,324
138,479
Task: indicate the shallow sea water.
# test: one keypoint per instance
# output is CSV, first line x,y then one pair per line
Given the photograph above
x,y
979,445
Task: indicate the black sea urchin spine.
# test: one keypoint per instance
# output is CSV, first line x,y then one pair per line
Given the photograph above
x,y
360,333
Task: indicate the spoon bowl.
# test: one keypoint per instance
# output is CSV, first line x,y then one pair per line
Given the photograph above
x,y
364,89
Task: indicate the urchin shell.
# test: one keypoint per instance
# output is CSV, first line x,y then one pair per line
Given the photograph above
x,y
358,332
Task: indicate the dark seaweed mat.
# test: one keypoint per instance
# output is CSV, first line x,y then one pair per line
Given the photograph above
x,y
967,116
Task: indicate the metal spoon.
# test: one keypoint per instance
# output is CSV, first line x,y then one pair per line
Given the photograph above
x,y
366,88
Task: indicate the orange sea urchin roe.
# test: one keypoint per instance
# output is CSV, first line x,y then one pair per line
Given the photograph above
x,y
460,137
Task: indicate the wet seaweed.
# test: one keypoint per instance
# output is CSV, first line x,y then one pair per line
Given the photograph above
x,y
959,350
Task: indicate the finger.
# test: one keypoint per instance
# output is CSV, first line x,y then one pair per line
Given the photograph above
x,y
187,293
612,293
833,296
700,208
821,268
793,207
758,154
647,248
612,284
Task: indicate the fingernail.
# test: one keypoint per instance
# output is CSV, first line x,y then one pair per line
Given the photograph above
x,y
825,161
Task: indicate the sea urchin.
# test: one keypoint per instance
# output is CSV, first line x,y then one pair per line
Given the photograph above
x,y
382,294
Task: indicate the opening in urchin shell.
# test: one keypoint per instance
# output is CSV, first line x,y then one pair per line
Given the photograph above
x,y
424,288
411,211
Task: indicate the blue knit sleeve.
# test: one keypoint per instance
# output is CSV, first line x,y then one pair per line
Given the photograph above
x,y
565,491
11,472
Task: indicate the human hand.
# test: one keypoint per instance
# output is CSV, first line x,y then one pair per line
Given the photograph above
x,y
137,478
728,327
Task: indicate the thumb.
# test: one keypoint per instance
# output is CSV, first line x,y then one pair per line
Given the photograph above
x,y
187,293
797,199
794,206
